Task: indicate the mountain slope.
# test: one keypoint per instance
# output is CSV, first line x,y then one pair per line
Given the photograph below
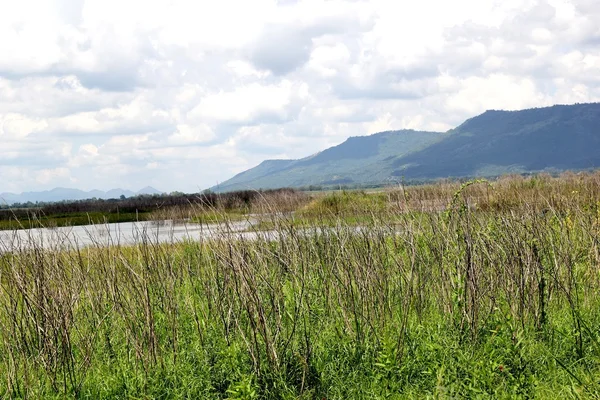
x,y
356,161
497,142
562,137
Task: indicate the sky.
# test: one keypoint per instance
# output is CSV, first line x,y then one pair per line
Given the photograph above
x,y
183,94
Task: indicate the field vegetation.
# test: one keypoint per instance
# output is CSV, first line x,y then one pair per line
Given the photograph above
x,y
199,207
454,290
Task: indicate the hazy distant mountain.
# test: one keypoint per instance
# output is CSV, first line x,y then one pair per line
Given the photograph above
x,y
148,190
494,143
115,194
59,194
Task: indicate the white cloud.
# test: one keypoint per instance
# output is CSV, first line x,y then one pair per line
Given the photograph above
x,y
52,175
190,135
496,92
327,60
181,94
19,126
252,104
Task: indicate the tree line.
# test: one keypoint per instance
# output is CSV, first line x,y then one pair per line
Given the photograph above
x,y
140,204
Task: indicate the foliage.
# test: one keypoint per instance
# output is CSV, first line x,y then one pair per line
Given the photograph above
x,y
496,298
141,208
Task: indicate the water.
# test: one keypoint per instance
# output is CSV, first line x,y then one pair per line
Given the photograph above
x,y
124,233
130,233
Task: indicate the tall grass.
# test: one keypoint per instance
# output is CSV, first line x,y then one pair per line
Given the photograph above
x,y
233,207
480,290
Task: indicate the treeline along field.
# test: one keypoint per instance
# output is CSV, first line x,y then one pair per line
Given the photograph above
x,y
476,290
139,208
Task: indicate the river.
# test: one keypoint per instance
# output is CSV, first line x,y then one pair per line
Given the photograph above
x,y
124,233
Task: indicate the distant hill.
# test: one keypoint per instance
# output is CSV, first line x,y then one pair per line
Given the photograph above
x,y
359,160
148,190
557,138
59,194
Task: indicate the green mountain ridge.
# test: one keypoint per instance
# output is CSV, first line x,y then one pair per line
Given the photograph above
x,y
557,138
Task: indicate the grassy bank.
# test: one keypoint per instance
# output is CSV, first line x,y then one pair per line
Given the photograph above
x,y
492,295
70,219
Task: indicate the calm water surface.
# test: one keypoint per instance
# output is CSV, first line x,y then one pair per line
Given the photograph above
x,y
125,233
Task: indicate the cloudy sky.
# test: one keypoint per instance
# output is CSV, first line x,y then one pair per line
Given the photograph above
x,y
182,94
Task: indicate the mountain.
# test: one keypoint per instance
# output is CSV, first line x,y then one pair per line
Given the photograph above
x,y
359,160
544,139
59,194
557,138
115,194
149,190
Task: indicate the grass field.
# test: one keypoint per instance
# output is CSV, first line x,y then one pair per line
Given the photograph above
x,y
479,290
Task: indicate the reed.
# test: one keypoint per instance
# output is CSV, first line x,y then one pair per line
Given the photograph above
x,y
451,290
